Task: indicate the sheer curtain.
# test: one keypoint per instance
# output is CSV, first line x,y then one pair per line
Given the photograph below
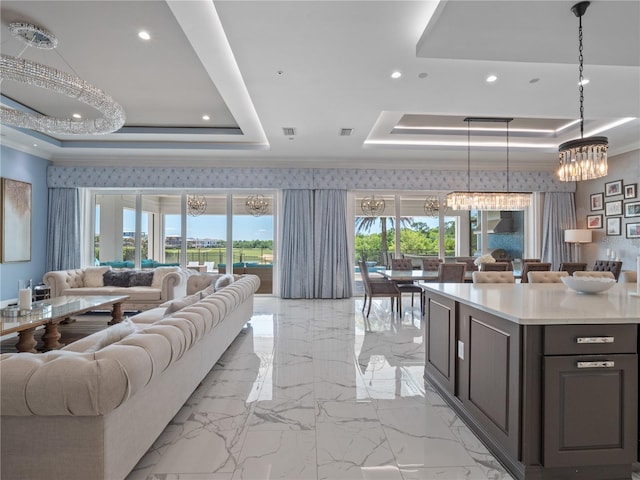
x,y
332,264
559,214
296,252
63,229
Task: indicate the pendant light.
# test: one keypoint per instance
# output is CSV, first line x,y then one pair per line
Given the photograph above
x,y
486,200
583,158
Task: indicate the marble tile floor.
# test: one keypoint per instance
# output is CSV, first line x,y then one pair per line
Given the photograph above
x,y
312,391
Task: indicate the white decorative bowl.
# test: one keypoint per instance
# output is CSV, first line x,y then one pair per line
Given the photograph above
x,y
588,284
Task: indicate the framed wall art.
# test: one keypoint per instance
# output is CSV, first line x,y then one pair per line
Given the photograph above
x,y
594,221
613,225
613,208
632,209
631,190
597,201
633,230
15,216
613,188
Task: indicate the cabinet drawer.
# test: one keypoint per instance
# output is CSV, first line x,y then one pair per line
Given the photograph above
x,y
589,339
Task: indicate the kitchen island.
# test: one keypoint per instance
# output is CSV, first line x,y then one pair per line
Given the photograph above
x,y
546,377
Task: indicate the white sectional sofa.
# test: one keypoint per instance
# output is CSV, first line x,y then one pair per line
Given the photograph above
x,y
93,409
146,288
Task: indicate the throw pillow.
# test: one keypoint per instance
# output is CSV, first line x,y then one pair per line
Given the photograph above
x,y
223,281
141,279
116,279
181,303
113,334
159,273
93,276
207,291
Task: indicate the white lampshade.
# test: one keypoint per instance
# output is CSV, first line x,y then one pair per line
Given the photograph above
x,y
578,236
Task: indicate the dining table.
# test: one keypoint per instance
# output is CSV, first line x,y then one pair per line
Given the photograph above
x,y
426,275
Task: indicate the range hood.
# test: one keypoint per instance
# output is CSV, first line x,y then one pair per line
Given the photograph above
x,y
501,224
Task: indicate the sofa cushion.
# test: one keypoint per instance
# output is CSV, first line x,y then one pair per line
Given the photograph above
x,y
136,294
116,279
149,316
180,303
159,273
223,281
207,291
113,334
93,276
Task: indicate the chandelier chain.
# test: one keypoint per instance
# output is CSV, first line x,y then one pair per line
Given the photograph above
x,y
581,79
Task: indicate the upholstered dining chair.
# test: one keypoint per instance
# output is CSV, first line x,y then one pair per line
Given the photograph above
x,y
546,277
591,273
378,287
628,276
533,267
431,264
495,267
493,277
571,267
612,266
407,286
451,272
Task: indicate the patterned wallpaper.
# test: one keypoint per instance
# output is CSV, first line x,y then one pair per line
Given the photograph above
x,y
292,178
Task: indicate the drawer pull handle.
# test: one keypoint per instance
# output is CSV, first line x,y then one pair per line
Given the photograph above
x,y
605,364
595,339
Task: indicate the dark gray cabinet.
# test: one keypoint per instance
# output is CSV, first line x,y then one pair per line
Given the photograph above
x,y
551,402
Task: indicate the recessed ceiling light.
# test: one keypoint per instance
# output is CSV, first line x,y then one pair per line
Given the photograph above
x,y
396,74
77,116
206,117
35,144
585,81
423,75
491,78
534,80
144,35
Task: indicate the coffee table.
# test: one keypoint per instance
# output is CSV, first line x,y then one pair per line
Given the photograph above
x,y
51,312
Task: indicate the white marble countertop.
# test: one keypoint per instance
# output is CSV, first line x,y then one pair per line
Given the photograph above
x,y
545,303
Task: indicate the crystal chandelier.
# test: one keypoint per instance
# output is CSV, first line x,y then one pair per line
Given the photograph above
x,y
257,205
432,206
111,114
486,200
583,158
372,206
196,205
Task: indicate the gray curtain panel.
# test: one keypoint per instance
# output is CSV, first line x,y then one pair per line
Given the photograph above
x,y
296,251
63,230
559,214
332,264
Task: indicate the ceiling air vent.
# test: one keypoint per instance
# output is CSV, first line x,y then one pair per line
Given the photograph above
x,y
288,131
345,132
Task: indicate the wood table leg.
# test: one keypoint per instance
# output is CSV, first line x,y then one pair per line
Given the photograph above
x,y
116,314
26,341
50,337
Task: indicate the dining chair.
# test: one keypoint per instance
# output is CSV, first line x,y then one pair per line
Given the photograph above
x,y
378,287
613,266
537,260
493,277
571,267
494,267
591,273
533,267
407,286
628,276
546,277
451,272
431,264
468,261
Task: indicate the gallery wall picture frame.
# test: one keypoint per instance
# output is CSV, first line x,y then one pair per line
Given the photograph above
x,y
632,209
15,219
633,230
614,225
613,188
597,201
594,221
613,208
630,190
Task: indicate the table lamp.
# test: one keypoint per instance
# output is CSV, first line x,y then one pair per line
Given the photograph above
x,y
578,236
